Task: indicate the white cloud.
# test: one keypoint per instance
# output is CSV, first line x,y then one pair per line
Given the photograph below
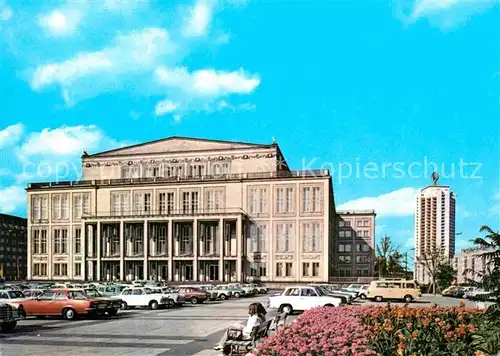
x,y
11,198
400,202
11,135
6,13
447,13
198,22
61,22
65,140
131,53
165,107
208,82
54,154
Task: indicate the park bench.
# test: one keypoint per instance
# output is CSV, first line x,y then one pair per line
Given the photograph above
x,y
241,345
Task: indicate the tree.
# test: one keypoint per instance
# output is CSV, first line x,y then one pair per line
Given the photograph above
x,y
445,275
490,278
388,261
431,261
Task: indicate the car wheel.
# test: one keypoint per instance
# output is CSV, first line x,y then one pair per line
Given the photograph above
x,y
153,305
8,326
287,309
69,314
113,312
223,297
124,306
408,298
194,300
237,295
329,305
362,296
379,299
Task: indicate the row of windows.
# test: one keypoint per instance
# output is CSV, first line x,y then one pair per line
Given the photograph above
x,y
310,236
359,248
59,206
176,170
348,259
58,269
347,272
350,233
359,223
141,202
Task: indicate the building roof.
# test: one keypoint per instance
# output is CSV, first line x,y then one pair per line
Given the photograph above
x,y
178,144
13,218
356,212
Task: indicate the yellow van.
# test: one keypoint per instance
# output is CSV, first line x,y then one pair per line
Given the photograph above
x,y
402,289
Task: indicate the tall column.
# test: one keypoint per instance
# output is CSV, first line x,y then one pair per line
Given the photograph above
x,y
221,249
145,243
170,250
84,251
239,250
122,251
195,249
99,243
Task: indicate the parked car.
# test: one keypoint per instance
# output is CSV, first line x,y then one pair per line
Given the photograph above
x,y
223,292
9,316
345,297
336,289
174,298
32,293
143,297
14,297
249,291
406,290
68,303
116,302
111,290
259,287
194,295
301,298
236,292
209,288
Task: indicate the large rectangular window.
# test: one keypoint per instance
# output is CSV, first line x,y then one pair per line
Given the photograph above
x,y
311,199
81,205
60,241
78,240
39,241
142,203
219,168
258,269
120,201
258,237
60,207
131,172
284,237
213,200
284,200
60,269
40,269
257,200
311,237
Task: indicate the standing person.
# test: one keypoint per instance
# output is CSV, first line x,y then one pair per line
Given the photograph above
x,y
255,318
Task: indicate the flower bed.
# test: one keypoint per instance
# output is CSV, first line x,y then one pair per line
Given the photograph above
x,y
384,331
321,331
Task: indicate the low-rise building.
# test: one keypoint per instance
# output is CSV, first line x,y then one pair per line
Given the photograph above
x,y
355,246
470,265
13,247
184,209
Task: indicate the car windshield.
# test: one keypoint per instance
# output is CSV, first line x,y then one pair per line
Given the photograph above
x,y
16,294
148,291
320,291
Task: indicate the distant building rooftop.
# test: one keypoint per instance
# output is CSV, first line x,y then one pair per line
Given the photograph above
x,y
356,212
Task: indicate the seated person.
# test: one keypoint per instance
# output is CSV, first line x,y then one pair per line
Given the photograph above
x,y
256,316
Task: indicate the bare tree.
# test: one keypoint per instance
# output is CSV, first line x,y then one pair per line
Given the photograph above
x,y
431,261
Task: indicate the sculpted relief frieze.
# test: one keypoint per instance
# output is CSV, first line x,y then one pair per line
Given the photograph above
x,y
284,257
311,257
40,258
179,160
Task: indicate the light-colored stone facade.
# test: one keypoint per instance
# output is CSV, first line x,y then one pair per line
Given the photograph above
x,y
355,245
470,265
183,209
434,227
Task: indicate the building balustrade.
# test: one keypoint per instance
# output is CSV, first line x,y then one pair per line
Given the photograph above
x,y
164,213
212,177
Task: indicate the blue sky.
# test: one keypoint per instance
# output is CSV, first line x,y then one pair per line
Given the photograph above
x,y
376,91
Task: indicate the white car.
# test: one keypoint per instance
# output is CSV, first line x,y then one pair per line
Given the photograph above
x,y
174,296
302,298
13,297
143,297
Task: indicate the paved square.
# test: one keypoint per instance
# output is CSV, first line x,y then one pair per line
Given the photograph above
x,y
191,330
